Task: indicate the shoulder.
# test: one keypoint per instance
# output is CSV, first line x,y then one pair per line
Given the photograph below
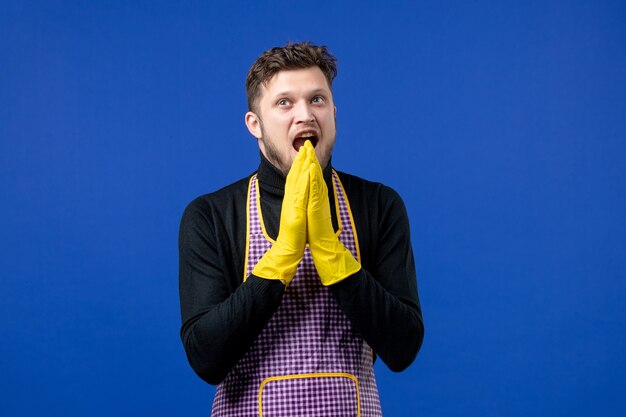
x,y
380,217
205,208
372,191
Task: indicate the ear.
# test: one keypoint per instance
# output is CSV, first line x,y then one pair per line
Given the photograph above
x,y
253,123
335,112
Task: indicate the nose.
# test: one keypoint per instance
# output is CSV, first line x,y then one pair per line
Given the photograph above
x,y
303,113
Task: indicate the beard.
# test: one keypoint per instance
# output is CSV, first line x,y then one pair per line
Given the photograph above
x,y
273,155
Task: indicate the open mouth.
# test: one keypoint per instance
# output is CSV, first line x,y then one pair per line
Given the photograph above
x,y
299,140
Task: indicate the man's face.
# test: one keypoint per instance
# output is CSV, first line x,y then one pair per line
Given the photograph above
x,y
294,106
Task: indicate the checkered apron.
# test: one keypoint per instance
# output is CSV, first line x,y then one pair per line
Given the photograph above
x,y
307,360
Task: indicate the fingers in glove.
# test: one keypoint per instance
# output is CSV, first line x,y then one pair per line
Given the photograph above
x,y
297,183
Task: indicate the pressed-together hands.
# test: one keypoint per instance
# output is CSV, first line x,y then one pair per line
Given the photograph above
x,y
305,217
282,259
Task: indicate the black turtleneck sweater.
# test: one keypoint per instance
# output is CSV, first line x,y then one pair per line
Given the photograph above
x,y
222,315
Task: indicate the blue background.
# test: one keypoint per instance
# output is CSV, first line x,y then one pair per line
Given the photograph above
x,y
502,124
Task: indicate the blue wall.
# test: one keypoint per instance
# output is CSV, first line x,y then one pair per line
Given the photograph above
x,y
502,125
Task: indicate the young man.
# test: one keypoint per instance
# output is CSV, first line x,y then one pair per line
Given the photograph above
x,y
294,278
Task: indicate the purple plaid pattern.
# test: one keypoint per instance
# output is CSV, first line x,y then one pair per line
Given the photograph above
x,y
307,338
328,399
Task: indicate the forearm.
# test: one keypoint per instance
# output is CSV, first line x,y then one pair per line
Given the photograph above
x,y
392,325
216,338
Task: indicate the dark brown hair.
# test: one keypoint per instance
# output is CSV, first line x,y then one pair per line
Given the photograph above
x,y
288,57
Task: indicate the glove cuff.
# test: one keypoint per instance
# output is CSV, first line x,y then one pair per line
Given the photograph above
x,y
277,265
334,262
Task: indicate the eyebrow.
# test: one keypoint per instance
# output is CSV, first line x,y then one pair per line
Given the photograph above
x,y
312,92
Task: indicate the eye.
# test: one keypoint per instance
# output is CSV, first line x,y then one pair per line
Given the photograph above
x,y
317,99
283,102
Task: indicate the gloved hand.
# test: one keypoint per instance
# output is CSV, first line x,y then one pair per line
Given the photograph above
x,y
282,259
333,261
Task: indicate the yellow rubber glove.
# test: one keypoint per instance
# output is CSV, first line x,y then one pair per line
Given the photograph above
x,y
282,259
332,259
